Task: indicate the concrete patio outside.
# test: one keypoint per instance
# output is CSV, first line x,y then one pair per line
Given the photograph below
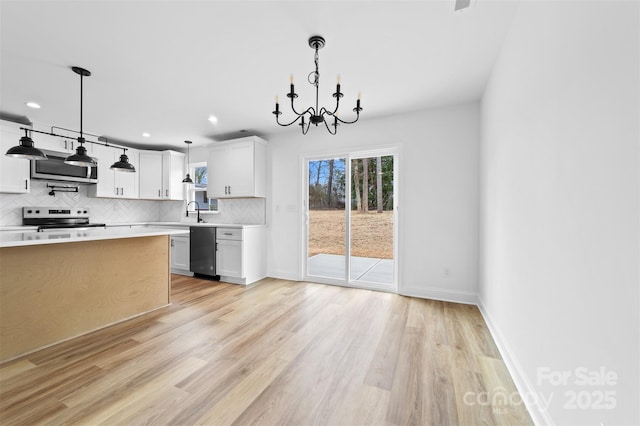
x,y
365,269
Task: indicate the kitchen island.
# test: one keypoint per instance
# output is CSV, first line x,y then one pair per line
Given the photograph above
x,y
59,285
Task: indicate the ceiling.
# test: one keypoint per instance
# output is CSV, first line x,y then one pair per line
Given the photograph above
x,y
164,67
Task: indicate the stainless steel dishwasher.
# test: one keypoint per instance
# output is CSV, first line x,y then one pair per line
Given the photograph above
x,y
203,251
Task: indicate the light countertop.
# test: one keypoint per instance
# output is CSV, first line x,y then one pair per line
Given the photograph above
x,y
187,224
31,237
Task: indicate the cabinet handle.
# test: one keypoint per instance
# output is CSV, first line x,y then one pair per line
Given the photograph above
x,y
159,193
166,192
122,191
229,189
71,145
228,233
65,144
26,184
172,242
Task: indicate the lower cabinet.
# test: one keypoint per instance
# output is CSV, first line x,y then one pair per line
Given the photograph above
x,y
240,254
180,254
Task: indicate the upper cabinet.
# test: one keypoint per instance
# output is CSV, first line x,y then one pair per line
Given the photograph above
x,y
173,173
58,144
237,169
14,172
161,174
150,175
111,183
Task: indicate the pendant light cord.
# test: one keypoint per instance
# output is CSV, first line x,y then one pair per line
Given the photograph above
x,y
81,78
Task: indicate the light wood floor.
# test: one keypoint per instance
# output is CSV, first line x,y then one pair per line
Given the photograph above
x,y
274,353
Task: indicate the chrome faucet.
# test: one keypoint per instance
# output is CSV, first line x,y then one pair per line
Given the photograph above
x,y
197,210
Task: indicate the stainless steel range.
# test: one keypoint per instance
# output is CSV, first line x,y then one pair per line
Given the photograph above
x,y
52,218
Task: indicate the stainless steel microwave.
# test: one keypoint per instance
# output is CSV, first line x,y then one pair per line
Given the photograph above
x,y
54,168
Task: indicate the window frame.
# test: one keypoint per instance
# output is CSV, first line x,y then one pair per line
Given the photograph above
x,y
192,189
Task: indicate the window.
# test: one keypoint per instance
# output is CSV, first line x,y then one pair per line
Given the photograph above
x,y
198,192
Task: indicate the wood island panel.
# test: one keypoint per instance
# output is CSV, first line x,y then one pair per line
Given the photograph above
x,y
51,292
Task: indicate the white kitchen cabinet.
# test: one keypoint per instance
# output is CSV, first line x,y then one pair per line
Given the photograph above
x,y
161,174
14,172
56,143
172,175
240,254
111,183
237,169
67,144
229,259
180,254
150,175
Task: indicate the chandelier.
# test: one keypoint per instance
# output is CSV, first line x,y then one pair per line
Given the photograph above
x,y
316,115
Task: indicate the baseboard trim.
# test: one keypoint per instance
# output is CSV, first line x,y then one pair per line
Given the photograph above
x,y
446,295
538,414
284,275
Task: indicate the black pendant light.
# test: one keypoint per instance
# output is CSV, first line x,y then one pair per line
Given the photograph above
x,y
80,158
188,179
123,165
26,149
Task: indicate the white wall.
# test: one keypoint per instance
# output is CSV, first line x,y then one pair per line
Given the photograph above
x,y
438,190
559,204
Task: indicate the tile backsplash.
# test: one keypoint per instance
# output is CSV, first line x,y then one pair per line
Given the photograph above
x,y
112,210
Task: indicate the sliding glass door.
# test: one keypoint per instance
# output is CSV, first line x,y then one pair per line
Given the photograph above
x,y
326,218
372,220
350,230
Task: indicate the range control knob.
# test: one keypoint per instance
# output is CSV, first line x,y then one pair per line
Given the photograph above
x,y
29,211
79,211
85,212
37,211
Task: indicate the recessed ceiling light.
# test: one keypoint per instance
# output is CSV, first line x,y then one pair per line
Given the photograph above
x,y
34,105
213,119
146,135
